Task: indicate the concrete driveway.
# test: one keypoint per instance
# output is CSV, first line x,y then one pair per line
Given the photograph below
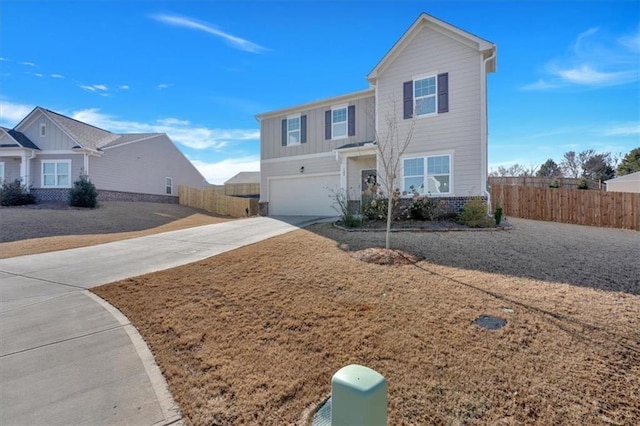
x,y
67,357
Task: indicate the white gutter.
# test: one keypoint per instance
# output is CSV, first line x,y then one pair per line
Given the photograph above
x,y
484,131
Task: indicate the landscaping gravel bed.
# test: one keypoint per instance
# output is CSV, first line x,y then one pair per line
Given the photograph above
x,y
602,258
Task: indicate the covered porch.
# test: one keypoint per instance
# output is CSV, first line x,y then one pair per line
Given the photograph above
x,y
358,170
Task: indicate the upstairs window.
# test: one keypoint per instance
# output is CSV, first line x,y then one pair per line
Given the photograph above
x,y
425,96
424,91
294,130
56,173
339,123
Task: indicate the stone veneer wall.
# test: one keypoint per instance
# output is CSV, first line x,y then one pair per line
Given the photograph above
x,y
62,195
263,209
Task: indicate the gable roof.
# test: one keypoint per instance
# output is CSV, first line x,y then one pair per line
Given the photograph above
x,y
245,177
631,177
425,20
20,140
86,136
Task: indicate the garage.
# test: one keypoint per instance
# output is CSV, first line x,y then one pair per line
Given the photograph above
x,y
303,196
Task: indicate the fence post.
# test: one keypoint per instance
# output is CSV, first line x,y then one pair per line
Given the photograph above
x,y
358,397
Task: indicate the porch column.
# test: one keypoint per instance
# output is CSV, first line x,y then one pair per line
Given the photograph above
x,y
343,173
24,171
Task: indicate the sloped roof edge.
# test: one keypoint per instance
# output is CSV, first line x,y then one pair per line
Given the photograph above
x,y
411,32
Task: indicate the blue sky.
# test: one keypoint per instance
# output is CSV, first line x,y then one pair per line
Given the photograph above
x,y
568,72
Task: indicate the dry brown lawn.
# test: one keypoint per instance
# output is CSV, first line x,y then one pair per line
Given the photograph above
x,y
51,227
254,335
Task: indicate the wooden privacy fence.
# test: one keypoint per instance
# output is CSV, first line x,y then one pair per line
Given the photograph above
x,y
581,207
211,200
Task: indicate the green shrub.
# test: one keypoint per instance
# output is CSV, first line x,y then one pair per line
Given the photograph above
x,y
15,194
83,193
584,183
474,214
554,184
351,221
422,208
497,215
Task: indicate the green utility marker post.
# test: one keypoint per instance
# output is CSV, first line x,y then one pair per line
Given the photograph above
x,y
358,397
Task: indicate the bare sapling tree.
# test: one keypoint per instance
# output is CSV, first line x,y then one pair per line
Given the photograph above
x,y
392,140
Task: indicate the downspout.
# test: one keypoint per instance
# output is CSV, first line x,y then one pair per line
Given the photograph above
x,y
485,130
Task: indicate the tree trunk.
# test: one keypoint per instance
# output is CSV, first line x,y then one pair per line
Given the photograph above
x,y
389,210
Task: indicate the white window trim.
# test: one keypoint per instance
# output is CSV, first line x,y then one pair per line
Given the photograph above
x,y
43,162
424,157
346,122
43,130
3,169
293,117
435,95
168,184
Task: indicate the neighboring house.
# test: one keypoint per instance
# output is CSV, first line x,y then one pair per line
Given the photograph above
x,y
244,184
49,151
436,73
626,183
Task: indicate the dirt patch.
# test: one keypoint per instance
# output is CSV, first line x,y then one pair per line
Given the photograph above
x,y
254,335
382,256
48,227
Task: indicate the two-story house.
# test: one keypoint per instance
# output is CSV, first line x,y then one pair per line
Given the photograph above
x,y
48,151
435,79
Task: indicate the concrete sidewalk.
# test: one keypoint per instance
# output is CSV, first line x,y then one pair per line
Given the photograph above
x,y
66,356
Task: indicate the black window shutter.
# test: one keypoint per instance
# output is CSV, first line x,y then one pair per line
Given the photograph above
x,y
443,92
327,124
303,129
407,97
351,120
284,132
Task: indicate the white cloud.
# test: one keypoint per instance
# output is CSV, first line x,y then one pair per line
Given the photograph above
x,y
28,64
37,74
57,76
12,113
236,42
585,75
3,59
163,86
622,129
218,172
94,88
595,59
540,85
180,131
123,87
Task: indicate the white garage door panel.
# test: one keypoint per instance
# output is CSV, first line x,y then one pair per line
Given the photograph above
x,y
307,196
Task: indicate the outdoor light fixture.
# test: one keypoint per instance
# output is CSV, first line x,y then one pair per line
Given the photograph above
x,y
302,169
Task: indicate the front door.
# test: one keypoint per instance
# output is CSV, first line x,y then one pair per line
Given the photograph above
x,y
368,179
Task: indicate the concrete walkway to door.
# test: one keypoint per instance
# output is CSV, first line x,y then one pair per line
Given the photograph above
x,y
67,357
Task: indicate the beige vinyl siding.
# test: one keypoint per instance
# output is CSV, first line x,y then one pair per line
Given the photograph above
x,y
458,130
35,178
11,168
291,167
141,167
55,139
271,130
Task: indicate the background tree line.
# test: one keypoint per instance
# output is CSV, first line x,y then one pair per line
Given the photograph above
x,y
587,164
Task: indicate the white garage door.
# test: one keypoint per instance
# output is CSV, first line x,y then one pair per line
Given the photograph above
x,y
304,195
